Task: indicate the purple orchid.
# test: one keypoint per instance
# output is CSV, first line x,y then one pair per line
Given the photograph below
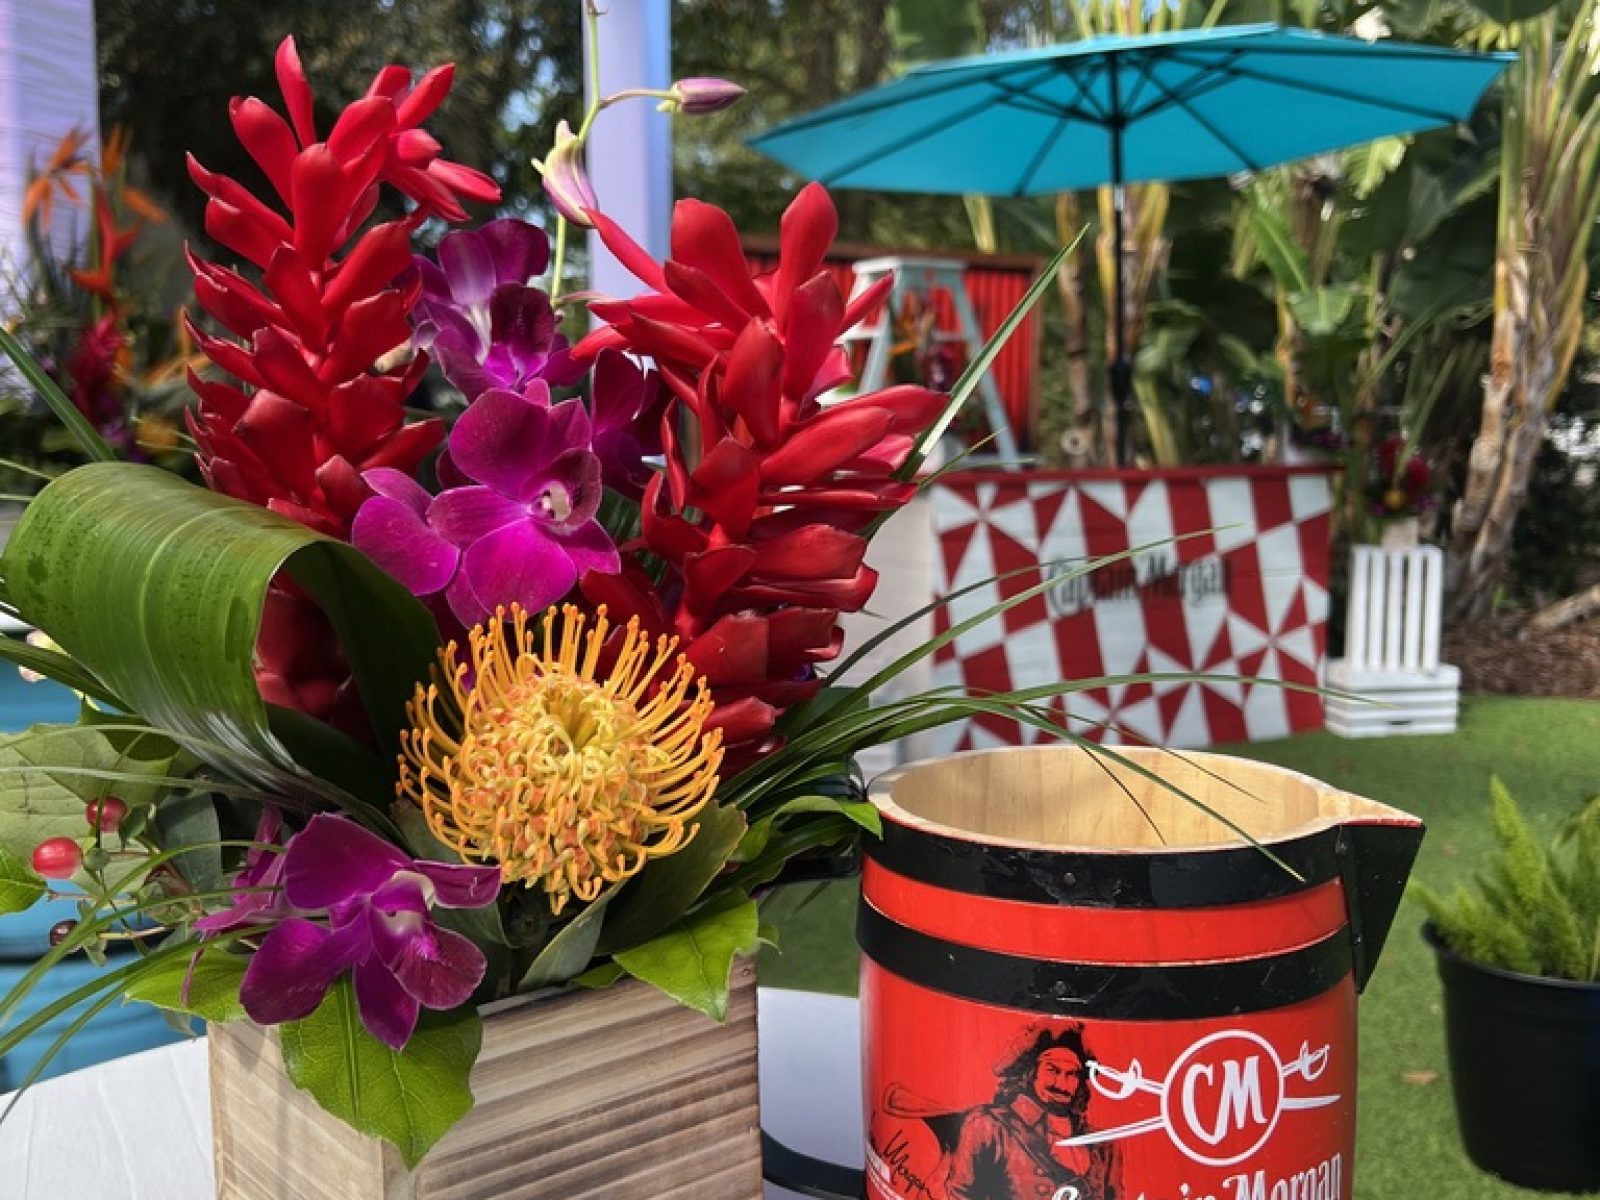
x,y
259,900
357,903
484,325
627,404
516,521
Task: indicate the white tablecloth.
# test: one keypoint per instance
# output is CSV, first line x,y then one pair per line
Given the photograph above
x,y
139,1128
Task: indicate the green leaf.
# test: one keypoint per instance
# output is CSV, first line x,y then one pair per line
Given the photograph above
x,y
156,586
409,1097
818,836
693,960
192,821
599,977
213,984
863,812
85,434
1370,164
418,838
1508,12
668,887
753,842
485,926
20,888
571,950
1286,260
50,773
1322,312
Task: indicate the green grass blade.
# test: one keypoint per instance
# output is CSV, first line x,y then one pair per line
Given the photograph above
x,y
114,980
799,718
11,464
62,668
85,434
84,932
861,693
55,1048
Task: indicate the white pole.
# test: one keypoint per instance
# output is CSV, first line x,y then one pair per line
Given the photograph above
x,y
630,147
48,85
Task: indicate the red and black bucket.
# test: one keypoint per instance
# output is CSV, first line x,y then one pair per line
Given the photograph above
x,y
1077,983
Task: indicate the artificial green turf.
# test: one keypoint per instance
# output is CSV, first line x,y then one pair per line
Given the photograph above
x,y
1548,754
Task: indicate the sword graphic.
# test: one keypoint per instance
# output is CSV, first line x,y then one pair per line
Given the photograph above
x,y
1119,1085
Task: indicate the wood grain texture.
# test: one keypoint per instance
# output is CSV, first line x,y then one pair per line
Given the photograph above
x,y
621,1094
1064,797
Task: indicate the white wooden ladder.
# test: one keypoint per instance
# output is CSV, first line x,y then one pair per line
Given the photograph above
x,y
924,276
1391,661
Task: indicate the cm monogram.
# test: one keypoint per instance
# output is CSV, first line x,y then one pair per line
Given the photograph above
x,y
1223,1097
1220,1100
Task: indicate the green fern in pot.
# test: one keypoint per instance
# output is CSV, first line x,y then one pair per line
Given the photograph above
x,y
1519,958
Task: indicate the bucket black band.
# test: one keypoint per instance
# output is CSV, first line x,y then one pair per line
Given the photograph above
x,y
1158,879
1133,993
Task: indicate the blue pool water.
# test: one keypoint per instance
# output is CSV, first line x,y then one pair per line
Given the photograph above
x,y
117,1030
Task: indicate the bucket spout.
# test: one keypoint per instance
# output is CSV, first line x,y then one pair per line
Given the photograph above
x,y
1375,859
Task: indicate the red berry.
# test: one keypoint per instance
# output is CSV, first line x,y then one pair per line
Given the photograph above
x,y
108,813
57,858
61,931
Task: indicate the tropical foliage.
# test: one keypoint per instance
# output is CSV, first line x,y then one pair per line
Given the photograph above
x,y
1549,195
88,302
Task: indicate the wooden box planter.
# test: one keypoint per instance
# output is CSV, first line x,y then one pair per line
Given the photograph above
x,y
620,1094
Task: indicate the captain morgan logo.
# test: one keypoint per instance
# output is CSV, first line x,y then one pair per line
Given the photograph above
x,y
1220,1100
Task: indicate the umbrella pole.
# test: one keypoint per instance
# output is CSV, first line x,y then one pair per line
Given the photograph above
x,y
1121,368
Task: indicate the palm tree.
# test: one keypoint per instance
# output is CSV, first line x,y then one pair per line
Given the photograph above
x,y
1549,188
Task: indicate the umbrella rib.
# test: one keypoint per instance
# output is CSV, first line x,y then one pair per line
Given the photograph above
x,y
1095,67
1141,65
905,140
1026,100
1091,112
1245,72
1203,121
1082,93
1045,147
1199,84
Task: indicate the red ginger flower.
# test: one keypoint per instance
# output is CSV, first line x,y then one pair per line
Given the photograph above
x,y
312,410
782,486
317,413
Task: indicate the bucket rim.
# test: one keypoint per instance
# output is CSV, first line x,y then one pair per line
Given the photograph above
x,y
880,794
1430,935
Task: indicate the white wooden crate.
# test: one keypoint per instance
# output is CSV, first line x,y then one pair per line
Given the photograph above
x,y
1391,680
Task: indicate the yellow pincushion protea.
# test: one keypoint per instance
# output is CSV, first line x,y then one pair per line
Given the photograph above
x,y
529,758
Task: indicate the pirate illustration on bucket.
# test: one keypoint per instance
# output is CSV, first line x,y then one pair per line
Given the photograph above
x,y
1016,1147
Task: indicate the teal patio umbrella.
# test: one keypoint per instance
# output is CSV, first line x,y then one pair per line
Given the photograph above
x,y
1114,110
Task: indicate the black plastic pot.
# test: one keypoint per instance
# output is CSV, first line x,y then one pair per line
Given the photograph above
x,y
1525,1070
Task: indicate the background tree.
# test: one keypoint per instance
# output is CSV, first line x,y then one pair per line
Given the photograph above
x,y
1549,190
168,70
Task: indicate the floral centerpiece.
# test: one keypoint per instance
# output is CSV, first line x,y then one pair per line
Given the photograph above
x,y
403,714
86,304
1398,489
